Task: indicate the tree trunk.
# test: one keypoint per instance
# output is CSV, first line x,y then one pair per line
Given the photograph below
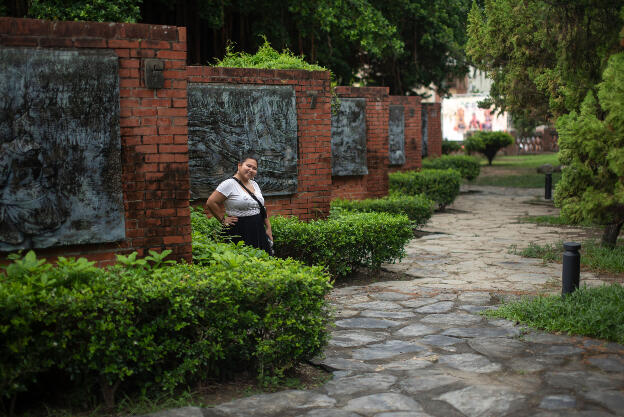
x,y
610,235
108,392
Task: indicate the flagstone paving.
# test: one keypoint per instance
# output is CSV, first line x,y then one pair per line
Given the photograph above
x,y
419,347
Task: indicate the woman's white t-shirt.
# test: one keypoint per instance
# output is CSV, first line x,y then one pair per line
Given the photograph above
x,y
238,202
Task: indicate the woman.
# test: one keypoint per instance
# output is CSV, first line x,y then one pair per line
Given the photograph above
x,y
243,216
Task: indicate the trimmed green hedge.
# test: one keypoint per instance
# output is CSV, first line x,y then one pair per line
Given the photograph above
x,y
468,167
450,146
417,208
343,242
442,186
141,322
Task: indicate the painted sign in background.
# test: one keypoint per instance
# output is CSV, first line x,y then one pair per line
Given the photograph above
x,y
461,114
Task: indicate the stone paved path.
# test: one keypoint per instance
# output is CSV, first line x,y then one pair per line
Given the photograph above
x,y
418,348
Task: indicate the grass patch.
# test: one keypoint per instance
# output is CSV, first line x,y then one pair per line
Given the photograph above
x,y
593,256
524,161
517,171
595,312
521,180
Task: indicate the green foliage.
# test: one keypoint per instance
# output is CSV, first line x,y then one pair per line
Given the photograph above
x,y
528,180
142,323
95,10
593,256
450,146
441,186
417,208
592,152
209,227
554,220
543,56
595,312
344,241
266,57
467,166
488,143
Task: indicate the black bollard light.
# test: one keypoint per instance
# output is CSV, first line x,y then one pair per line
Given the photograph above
x,y
571,267
548,186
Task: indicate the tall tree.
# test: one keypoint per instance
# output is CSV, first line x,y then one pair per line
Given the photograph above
x,y
434,34
543,55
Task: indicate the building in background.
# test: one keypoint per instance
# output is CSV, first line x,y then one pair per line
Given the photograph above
x,y
461,113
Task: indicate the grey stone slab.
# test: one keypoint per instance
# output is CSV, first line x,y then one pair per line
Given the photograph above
x,y
610,399
581,380
379,403
415,330
440,340
479,298
526,365
351,338
342,364
403,414
427,273
558,402
179,412
388,314
454,319
470,362
367,323
563,350
386,350
426,381
484,401
377,305
274,404
411,364
441,307
390,296
474,308
345,313
329,413
371,382
498,347
415,303
396,135
481,332
610,363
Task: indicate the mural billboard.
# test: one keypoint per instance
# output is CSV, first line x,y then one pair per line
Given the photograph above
x,y
461,114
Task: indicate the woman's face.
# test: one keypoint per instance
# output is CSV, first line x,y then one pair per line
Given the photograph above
x,y
248,168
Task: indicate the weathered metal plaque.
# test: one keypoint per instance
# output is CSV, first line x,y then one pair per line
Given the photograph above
x,y
396,135
227,121
348,138
60,169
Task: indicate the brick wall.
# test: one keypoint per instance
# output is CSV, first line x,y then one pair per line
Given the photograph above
x,y
434,128
153,126
375,184
413,135
312,92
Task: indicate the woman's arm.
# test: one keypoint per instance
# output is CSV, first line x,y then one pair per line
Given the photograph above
x,y
215,204
267,227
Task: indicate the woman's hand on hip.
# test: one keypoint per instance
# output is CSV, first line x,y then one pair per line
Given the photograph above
x,y
230,220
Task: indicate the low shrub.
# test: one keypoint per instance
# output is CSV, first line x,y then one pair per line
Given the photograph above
x,y
208,226
344,241
468,167
441,186
450,146
417,208
143,323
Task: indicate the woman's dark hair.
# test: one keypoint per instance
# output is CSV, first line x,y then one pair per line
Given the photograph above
x,y
247,156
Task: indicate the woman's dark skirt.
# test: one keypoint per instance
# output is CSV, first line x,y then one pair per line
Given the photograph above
x,y
249,229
